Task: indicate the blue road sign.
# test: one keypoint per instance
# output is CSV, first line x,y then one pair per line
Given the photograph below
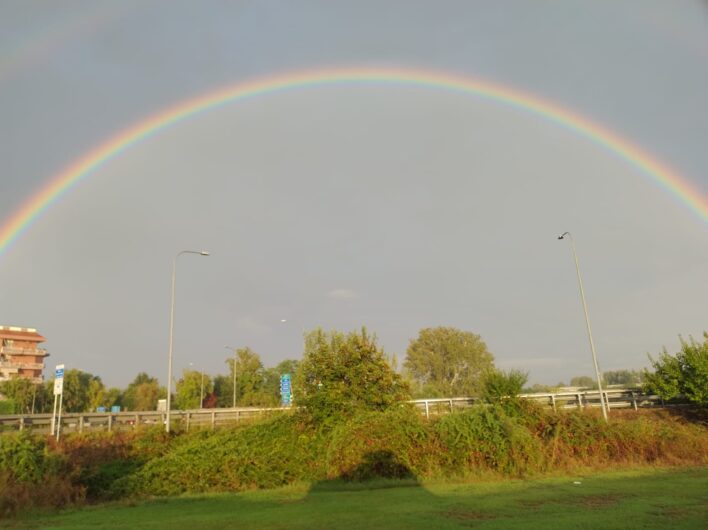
x,y
285,390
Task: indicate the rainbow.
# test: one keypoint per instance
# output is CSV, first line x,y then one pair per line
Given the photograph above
x,y
61,183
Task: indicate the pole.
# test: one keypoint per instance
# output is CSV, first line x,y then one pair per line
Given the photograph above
x,y
234,377
587,324
172,326
61,399
54,414
201,392
169,361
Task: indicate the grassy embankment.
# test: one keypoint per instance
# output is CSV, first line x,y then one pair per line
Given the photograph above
x,y
643,498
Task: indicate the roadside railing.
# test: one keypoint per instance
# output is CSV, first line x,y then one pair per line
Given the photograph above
x,y
212,418
616,399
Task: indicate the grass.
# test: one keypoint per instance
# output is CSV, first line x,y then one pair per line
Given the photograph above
x,y
643,498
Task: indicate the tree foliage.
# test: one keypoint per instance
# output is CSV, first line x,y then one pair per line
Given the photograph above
x,y
685,373
82,391
448,362
622,377
500,385
250,378
344,373
24,394
191,388
142,394
583,381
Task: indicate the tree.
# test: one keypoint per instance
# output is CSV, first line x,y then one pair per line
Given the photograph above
x,y
622,377
342,374
583,381
143,393
448,362
250,378
23,393
189,389
685,373
223,389
81,391
499,385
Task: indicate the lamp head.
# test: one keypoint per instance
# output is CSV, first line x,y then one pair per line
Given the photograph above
x,y
204,252
562,236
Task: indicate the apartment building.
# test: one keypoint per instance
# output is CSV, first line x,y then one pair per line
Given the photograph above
x,y
20,354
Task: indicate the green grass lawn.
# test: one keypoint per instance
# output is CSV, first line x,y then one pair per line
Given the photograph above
x,y
631,499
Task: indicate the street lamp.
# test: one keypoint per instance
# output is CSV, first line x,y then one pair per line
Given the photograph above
x,y
172,325
603,403
234,350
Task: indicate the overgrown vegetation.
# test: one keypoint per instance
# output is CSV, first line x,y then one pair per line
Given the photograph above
x,y
506,439
354,425
684,374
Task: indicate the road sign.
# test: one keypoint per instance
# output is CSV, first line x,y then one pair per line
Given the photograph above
x,y
285,390
59,380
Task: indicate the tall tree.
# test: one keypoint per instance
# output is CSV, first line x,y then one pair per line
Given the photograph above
x,y
191,388
583,381
81,391
250,378
622,377
24,394
142,393
448,362
340,374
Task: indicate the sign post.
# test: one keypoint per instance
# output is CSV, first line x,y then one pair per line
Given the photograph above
x,y
286,394
58,392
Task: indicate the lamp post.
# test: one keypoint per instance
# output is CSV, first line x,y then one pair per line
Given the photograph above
x,y
587,323
234,350
172,325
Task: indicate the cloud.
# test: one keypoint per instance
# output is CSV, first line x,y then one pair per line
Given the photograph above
x,y
343,294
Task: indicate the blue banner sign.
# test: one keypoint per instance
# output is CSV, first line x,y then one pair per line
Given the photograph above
x,y
286,393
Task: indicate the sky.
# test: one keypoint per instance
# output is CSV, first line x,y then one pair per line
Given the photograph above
x,y
395,207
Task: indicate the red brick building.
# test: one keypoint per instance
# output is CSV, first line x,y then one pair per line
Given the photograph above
x,y
20,354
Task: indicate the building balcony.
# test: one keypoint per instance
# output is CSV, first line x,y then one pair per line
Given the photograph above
x,y
11,350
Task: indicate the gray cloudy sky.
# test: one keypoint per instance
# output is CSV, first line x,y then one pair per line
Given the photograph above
x,y
393,207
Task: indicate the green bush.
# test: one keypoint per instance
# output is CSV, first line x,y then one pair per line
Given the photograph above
x,y
685,374
390,444
486,438
499,385
267,454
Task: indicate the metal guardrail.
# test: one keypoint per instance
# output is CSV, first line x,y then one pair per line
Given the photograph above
x,y
616,399
212,418
109,421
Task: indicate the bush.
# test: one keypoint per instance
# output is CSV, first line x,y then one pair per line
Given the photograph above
x,y
685,374
32,475
485,437
341,375
274,452
390,444
499,385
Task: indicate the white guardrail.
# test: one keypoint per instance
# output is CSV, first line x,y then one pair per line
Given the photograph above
x,y
212,418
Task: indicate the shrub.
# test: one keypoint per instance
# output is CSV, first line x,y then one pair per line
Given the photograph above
x,y
267,454
499,385
341,375
390,444
684,374
485,437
